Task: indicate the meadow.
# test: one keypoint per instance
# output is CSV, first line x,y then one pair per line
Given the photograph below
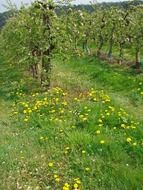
x,y
84,133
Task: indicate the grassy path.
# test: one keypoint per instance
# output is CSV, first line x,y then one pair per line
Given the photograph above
x,y
120,84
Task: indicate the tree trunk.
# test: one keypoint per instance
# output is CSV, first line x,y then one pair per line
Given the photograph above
x,y
111,43
121,54
138,60
75,45
32,70
85,47
47,54
110,49
46,65
101,42
39,70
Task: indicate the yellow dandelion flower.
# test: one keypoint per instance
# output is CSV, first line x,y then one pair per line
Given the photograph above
x,y
128,139
133,127
90,94
134,144
29,111
75,185
53,111
102,142
108,114
78,181
87,169
98,132
26,119
41,138
25,111
65,188
123,125
65,103
57,179
15,112
57,99
62,111
100,120
50,164
84,119
67,185
55,176
103,116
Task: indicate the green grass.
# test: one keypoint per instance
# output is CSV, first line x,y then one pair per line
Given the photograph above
x,y
89,128
121,84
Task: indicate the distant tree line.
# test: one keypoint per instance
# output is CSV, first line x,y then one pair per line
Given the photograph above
x,y
3,17
105,5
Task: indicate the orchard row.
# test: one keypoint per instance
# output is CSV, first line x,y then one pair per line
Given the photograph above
x,y
35,35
